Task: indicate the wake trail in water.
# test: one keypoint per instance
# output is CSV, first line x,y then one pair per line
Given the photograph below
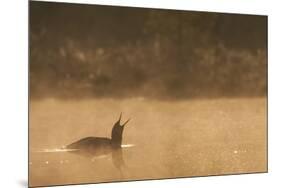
x,y
63,149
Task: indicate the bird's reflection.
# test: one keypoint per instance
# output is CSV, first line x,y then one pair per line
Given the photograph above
x,y
115,154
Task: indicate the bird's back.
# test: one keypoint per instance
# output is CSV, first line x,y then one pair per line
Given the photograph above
x,y
92,145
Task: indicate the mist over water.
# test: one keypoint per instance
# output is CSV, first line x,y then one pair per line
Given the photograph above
x,y
170,139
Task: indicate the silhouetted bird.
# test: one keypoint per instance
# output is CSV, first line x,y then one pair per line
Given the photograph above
x,y
95,146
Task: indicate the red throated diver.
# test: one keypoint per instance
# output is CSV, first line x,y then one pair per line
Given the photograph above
x,y
101,145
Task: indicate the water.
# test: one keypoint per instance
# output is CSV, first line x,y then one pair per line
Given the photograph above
x,y
164,139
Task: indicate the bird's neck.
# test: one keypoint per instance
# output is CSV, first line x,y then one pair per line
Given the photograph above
x,y
116,141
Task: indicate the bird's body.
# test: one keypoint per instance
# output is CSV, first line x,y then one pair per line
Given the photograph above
x,y
96,146
92,145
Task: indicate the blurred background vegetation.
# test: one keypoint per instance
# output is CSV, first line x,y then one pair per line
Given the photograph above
x,y
82,51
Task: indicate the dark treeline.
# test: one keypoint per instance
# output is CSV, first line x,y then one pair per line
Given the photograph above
x,y
79,51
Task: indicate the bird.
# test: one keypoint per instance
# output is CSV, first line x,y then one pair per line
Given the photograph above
x,y
96,146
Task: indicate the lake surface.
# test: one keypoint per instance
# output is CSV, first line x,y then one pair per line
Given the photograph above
x,y
164,139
